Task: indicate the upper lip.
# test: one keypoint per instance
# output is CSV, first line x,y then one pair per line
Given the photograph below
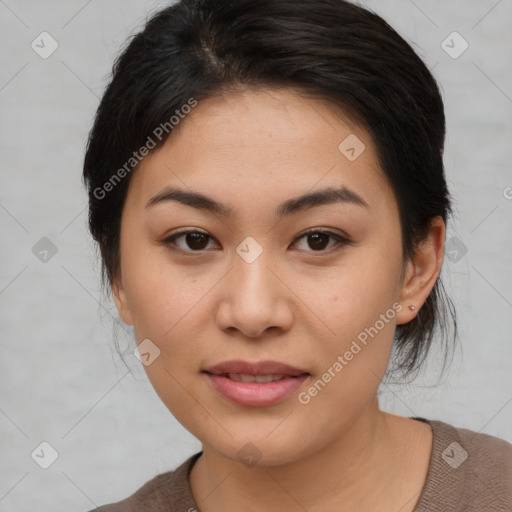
x,y
257,368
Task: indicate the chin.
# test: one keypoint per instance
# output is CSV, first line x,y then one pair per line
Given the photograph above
x,y
260,450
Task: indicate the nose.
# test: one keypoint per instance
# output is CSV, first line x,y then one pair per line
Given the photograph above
x,y
254,299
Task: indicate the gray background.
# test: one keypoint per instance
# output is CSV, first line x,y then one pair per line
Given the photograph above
x,y
61,379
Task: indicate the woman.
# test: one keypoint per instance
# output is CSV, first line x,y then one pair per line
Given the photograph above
x,y
267,189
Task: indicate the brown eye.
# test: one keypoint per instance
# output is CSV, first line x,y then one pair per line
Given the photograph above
x,y
196,241
318,241
188,241
321,241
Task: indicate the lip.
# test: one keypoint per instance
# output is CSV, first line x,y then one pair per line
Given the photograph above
x,y
257,368
256,394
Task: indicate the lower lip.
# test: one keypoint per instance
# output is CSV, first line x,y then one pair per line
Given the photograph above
x,y
256,394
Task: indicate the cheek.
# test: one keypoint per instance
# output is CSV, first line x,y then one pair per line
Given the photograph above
x,y
356,298
168,310
354,358
359,306
362,338
158,294
163,310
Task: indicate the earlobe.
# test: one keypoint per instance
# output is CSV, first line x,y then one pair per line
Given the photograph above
x,y
422,271
119,295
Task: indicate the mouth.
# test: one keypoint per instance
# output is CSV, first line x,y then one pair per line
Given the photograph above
x,y
255,384
256,369
245,377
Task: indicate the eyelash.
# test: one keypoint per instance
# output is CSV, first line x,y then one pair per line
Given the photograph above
x,y
341,241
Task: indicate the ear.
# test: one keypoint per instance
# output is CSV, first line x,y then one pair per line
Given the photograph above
x,y
422,272
121,301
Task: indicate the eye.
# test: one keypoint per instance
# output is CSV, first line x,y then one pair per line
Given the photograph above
x,y
188,241
318,240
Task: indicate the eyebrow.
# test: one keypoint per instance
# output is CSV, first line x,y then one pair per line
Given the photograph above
x,y
309,200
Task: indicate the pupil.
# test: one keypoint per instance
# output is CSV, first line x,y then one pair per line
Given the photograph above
x,y
316,243
194,240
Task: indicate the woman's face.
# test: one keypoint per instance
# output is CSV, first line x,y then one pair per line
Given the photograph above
x,y
253,286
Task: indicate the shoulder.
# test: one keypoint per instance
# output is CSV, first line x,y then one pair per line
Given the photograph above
x,y
165,492
486,449
486,456
469,470
489,462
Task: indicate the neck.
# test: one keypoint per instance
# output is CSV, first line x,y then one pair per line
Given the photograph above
x,y
353,470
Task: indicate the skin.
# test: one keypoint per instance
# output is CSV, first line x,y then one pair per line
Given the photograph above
x,y
252,150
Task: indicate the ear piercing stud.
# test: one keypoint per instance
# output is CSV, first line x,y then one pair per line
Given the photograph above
x,y
412,308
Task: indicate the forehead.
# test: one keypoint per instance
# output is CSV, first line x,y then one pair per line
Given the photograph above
x,y
277,142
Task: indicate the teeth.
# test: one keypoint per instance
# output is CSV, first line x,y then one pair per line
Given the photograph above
x,y
242,377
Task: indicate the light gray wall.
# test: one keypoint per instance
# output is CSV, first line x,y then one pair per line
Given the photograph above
x,y
61,380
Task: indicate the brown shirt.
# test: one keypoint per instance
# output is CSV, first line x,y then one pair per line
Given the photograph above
x,y
468,472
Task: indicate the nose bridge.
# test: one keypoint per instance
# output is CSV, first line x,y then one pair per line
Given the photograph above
x,y
251,277
253,299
